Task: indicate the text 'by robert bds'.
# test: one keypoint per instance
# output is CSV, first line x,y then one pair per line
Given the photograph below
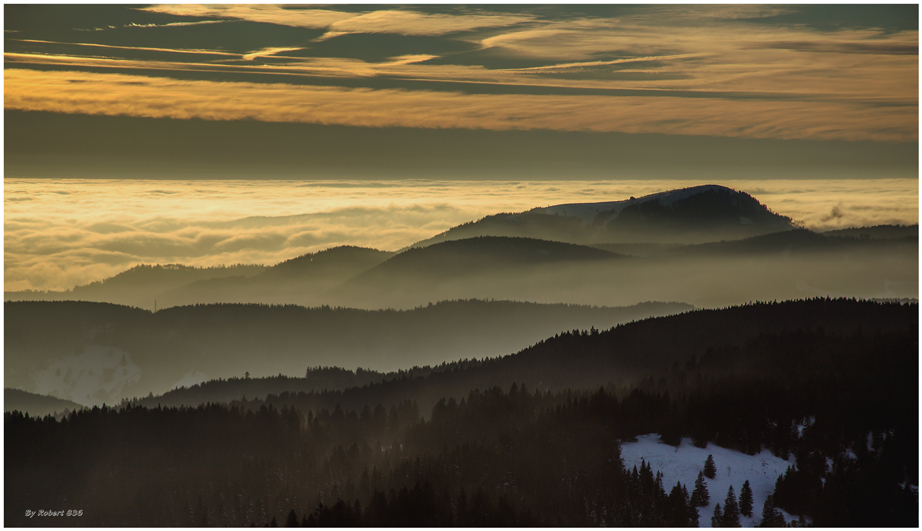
x,y
42,512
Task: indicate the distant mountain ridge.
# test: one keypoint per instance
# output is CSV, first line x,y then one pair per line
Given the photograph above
x,y
696,214
72,349
706,245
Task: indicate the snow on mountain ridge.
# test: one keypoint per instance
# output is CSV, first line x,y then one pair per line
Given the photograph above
x,y
588,211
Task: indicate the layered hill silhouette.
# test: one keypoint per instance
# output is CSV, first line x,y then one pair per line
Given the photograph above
x,y
481,267
95,352
704,245
830,385
141,284
789,264
36,405
690,215
298,280
791,341
303,279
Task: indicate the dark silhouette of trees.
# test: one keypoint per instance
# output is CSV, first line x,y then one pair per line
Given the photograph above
x,y
530,455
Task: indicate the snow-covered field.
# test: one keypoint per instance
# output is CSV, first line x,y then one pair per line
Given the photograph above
x,y
682,464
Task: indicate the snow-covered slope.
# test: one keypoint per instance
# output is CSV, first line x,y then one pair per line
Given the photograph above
x,y
588,211
682,464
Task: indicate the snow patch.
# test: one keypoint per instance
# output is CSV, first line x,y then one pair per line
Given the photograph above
x,y
682,464
92,378
588,211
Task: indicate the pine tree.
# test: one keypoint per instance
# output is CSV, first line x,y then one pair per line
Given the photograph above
x,y
700,496
710,471
771,517
718,519
731,510
677,508
292,520
746,500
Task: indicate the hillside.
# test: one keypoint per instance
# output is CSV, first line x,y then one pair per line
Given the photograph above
x,y
140,285
814,402
300,280
482,267
36,405
79,349
738,339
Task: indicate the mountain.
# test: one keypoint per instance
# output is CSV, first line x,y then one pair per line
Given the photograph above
x,y
783,265
296,281
36,405
690,215
94,352
300,280
482,267
140,285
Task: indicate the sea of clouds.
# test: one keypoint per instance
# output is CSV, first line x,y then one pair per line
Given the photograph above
x,y
62,233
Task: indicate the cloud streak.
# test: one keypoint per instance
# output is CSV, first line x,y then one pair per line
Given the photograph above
x,y
117,94
690,70
402,22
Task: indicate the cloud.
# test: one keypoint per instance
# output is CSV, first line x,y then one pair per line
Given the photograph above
x,y
725,75
117,94
266,52
174,24
104,227
117,47
402,22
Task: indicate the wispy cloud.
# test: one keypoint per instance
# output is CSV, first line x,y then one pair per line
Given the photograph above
x,y
403,22
116,94
689,70
266,52
174,24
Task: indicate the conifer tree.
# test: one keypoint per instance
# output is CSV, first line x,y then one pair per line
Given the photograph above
x,y
700,496
718,519
292,520
746,500
731,510
771,517
710,471
677,507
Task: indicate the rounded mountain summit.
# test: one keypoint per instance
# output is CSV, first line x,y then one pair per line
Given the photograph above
x,y
691,215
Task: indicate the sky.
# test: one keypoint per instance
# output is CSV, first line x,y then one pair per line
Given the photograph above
x,y
461,92
205,134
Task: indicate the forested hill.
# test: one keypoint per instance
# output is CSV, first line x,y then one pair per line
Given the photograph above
x,y
46,341
35,404
828,385
793,339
